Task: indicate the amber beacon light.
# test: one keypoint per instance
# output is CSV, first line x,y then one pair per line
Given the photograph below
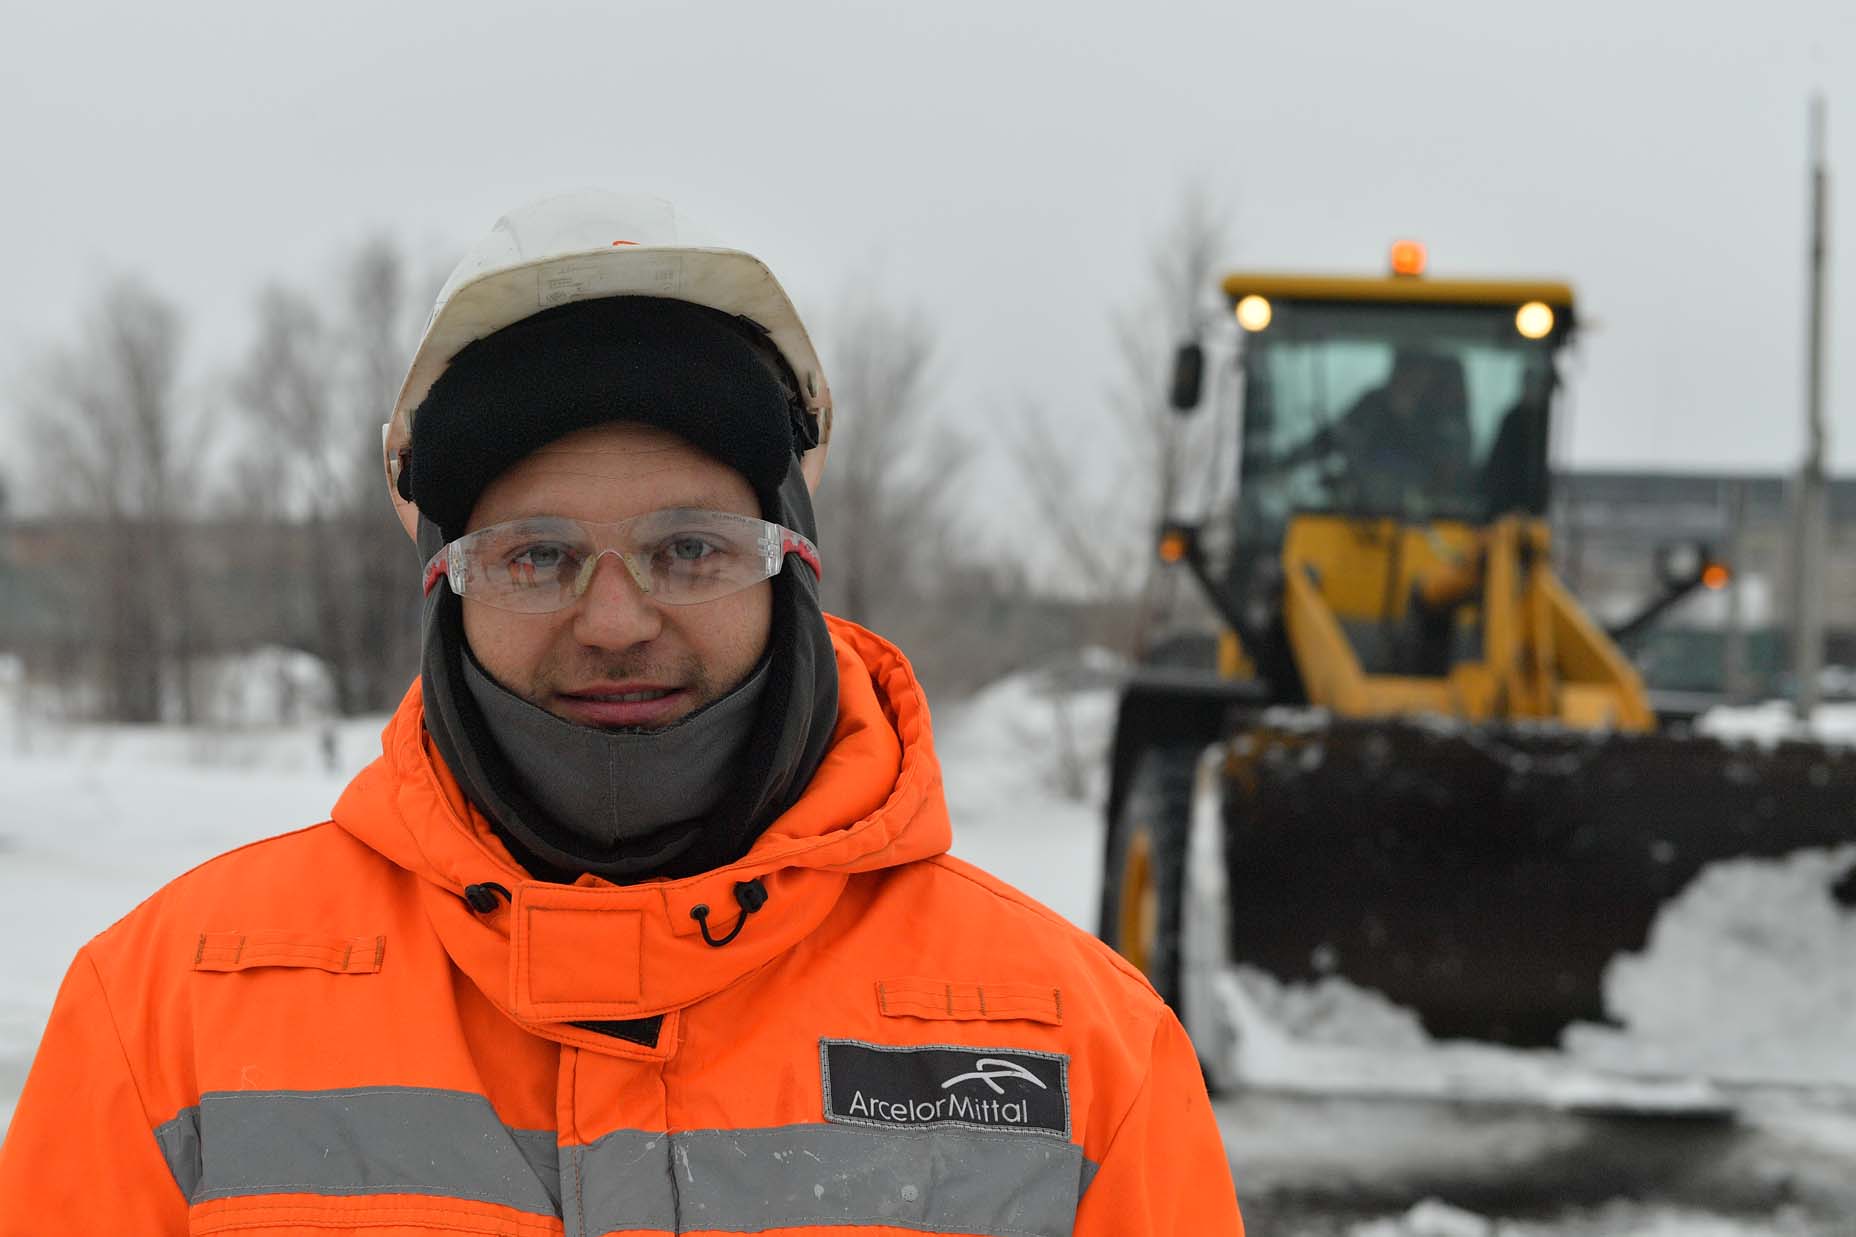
x,y
1408,258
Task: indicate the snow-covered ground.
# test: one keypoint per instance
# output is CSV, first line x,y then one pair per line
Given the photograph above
x,y
1775,720
1435,1219
92,819
1026,771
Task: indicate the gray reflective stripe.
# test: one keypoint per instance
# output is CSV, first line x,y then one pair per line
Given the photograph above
x,y
179,1140
544,1159
620,1181
748,1181
374,1140
412,1140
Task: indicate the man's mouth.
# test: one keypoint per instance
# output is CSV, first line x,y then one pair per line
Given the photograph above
x,y
624,705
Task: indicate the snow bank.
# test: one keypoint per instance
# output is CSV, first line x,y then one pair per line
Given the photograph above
x,y
1773,720
1025,764
1749,976
267,709
1749,973
1333,1010
1432,1218
1040,730
266,686
1429,1218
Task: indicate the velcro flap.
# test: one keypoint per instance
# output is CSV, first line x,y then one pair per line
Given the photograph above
x,y
575,953
945,1001
243,951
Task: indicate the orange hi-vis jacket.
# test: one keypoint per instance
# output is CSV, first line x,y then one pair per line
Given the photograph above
x,y
318,1034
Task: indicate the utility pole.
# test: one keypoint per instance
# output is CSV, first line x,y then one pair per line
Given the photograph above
x,y
1812,533
1733,648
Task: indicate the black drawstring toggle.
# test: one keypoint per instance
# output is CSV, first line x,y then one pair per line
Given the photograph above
x,y
482,898
750,895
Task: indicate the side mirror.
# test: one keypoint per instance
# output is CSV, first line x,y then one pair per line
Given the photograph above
x,y
1188,376
1681,568
1683,565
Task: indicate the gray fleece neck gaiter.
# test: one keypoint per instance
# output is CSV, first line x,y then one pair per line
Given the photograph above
x,y
611,787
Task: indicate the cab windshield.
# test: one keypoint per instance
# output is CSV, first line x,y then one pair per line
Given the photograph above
x,y
1411,411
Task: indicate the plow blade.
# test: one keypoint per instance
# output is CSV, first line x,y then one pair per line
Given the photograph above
x,y
1489,881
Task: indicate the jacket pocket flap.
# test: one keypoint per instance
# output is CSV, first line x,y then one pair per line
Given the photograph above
x,y
939,999
242,951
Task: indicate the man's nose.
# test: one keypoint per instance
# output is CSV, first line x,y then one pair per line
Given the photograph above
x,y
614,610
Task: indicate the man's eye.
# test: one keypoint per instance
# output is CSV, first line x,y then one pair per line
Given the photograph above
x,y
687,549
532,560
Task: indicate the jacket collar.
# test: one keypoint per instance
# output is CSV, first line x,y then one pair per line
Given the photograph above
x,y
553,955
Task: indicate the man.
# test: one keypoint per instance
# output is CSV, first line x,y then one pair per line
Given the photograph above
x,y
1405,444
642,921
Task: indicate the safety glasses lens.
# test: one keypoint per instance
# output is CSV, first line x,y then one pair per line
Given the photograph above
x,y
527,564
677,557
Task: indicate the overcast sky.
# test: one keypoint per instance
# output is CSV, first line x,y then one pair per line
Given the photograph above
x,y
1005,166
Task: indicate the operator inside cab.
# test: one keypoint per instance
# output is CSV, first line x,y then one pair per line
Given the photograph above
x,y
1408,437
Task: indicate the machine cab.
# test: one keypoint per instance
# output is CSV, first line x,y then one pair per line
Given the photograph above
x,y
1389,425
1401,397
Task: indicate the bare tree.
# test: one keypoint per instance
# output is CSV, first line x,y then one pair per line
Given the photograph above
x,y
1106,539
119,451
287,387
887,500
1048,471
315,387
385,309
1180,273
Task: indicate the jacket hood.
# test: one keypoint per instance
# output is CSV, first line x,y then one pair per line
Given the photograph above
x,y
554,955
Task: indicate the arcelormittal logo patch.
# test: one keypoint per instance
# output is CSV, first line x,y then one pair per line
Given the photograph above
x,y
1012,1089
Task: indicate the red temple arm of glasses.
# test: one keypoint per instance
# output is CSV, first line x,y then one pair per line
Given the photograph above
x,y
807,555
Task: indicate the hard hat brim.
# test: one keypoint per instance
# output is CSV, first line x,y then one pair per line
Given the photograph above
x,y
724,279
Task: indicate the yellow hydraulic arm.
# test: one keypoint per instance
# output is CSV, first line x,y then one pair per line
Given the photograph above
x,y
1532,651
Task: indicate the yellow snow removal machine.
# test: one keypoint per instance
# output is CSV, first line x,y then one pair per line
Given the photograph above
x,y
1410,795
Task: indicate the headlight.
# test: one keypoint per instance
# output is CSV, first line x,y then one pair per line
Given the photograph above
x,y
1254,313
1534,320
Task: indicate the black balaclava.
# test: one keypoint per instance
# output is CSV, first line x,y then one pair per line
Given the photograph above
x,y
552,789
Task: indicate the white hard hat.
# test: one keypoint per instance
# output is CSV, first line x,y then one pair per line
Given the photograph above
x,y
580,246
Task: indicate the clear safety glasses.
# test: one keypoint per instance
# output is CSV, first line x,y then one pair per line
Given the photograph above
x,y
680,557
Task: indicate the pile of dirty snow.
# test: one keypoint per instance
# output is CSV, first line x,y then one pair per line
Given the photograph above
x,y
1749,973
1622,1219
1332,1010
